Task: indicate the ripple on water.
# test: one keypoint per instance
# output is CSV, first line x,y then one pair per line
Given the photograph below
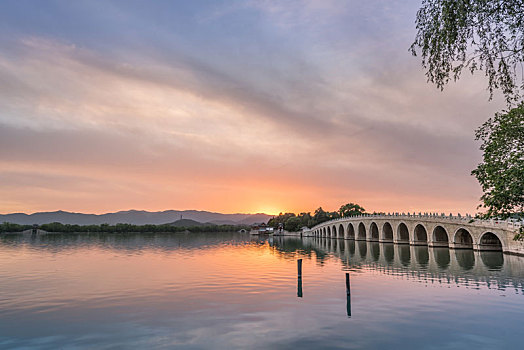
x,y
236,291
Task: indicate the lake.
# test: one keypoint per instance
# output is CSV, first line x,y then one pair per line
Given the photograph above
x,y
235,291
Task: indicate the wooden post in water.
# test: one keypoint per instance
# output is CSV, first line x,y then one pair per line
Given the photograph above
x,y
299,282
299,287
348,295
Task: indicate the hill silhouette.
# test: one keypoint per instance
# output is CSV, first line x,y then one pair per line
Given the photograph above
x,y
134,217
186,223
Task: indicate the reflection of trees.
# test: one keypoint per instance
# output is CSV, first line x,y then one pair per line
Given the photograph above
x,y
126,241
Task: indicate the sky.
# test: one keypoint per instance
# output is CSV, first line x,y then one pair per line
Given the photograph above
x,y
229,106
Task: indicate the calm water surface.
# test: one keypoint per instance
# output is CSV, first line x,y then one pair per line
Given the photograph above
x,y
224,291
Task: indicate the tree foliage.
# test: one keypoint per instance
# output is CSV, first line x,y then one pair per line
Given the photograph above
x,y
501,173
351,209
280,219
290,221
474,35
294,222
320,216
9,227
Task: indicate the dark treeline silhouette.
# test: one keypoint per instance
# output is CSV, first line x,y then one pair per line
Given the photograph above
x,y
293,222
121,228
9,227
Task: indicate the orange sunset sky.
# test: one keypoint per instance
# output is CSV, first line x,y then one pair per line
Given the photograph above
x,y
248,106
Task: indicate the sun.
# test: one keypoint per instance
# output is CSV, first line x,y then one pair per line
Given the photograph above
x,y
268,209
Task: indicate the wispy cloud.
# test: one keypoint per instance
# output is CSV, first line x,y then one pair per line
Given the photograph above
x,y
340,113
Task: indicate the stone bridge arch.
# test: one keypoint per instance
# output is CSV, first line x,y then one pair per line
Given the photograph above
x,y
361,235
341,231
402,233
490,241
387,232
374,234
462,239
440,237
350,231
420,235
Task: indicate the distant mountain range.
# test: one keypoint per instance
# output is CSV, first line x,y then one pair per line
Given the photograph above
x,y
135,217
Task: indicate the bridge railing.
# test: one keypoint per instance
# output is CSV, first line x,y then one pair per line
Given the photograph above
x,y
513,224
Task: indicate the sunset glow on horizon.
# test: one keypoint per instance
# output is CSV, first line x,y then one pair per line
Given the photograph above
x,y
231,107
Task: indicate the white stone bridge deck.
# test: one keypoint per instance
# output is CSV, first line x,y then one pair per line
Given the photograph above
x,y
457,232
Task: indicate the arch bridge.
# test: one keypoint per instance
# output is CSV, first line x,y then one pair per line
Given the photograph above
x,y
456,232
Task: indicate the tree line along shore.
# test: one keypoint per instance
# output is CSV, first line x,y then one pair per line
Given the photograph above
x,y
57,227
290,221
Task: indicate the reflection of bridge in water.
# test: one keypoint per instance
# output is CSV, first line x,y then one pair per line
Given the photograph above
x,y
491,269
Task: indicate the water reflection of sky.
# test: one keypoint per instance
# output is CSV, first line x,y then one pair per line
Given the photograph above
x,y
234,291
